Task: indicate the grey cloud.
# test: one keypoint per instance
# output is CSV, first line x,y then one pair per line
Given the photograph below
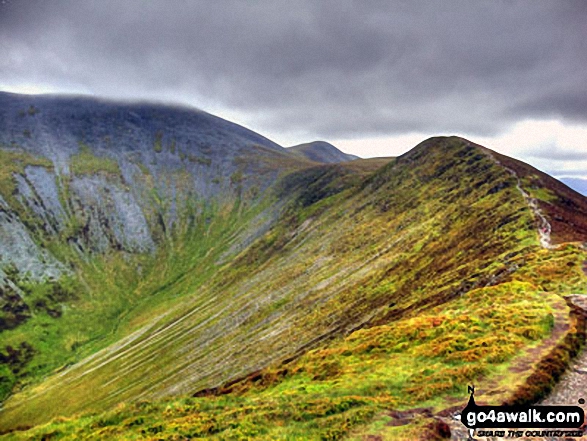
x,y
569,104
555,153
330,69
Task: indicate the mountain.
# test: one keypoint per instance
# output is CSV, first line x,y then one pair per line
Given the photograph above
x,y
166,273
577,184
120,174
102,204
321,151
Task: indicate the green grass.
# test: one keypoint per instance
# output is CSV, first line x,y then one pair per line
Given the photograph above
x,y
533,185
337,390
158,144
199,160
85,162
374,283
14,162
414,361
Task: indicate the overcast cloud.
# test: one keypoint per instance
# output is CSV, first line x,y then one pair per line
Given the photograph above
x,y
300,70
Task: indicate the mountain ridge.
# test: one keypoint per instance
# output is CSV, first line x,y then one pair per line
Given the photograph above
x,y
284,257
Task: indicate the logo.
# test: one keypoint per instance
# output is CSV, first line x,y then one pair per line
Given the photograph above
x,y
476,417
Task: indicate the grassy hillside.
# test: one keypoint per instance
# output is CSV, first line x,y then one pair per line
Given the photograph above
x,y
134,208
167,274
367,382
371,291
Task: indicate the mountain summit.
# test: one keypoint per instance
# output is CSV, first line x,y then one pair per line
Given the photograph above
x,y
203,281
323,152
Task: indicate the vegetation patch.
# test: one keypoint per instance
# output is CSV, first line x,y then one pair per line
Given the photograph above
x,y
199,160
86,163
14,162
364,293
158,144
332,392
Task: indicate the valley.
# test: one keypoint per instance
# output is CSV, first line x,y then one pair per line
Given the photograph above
x,y
167,274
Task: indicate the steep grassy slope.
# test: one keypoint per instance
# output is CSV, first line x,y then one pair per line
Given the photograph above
x,y
108,209
150,252
354,386
443,227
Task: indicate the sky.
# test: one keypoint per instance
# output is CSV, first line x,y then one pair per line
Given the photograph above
x,y
372,77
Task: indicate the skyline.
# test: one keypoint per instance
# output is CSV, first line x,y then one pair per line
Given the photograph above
x,y
373,79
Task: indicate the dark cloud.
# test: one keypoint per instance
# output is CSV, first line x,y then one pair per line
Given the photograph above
x,y
329,68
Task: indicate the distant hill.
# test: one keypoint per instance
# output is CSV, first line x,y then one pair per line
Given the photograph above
x,y
577,184
321,151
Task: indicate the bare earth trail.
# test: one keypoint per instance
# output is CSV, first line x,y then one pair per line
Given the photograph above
x,y
571,387
573,384
544,227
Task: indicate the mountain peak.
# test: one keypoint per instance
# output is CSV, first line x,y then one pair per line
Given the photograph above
x,y
33,120
321,151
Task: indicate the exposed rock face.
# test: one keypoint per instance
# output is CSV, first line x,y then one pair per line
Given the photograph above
x,y
19,251
89,189
111,217
38,190
105,176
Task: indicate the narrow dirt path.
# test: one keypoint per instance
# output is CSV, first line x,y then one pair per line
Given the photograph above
x,y
568,391
573,384
544,226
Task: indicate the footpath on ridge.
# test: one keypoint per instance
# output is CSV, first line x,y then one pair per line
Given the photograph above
x,y
573,384
571,387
